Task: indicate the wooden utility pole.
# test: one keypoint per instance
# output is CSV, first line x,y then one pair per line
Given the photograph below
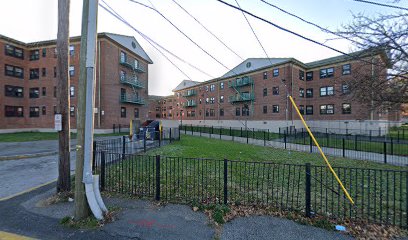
x,y
64,173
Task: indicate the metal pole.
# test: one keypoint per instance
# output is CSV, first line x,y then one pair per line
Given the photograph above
x,y
308,190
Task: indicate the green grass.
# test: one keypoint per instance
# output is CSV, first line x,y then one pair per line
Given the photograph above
x,y
401,132
359,145
376,190
197,147
38,136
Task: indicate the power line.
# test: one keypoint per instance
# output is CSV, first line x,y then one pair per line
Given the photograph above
x,y
185,35
119,17
294,33
250,26
382,4
116,15
148,39
225,45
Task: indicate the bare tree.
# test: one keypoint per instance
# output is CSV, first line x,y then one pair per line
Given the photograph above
x,y
382,78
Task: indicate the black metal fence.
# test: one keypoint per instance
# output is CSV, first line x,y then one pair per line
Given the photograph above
x,y
380,133
381,196
389,151
120,128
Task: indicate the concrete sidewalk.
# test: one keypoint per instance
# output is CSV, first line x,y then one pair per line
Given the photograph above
x,y
28,215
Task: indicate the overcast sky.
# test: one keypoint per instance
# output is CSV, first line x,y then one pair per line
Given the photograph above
x,y
28,21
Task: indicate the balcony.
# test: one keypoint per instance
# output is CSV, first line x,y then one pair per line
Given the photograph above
x,y
243,97
241,82
190,93
132,64
131,98
132,81
190,104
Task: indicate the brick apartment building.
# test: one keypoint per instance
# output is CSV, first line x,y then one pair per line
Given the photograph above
x,y
29,78
256,91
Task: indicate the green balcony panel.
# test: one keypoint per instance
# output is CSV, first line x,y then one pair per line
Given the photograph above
x,y
190,93
190,104
243,97
132,81
132,64
241,82
131,98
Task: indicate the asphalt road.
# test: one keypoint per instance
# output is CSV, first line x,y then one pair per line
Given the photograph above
x,y
17,176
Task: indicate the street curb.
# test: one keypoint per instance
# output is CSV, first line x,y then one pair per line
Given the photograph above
x,y
18,157
25,156
27,191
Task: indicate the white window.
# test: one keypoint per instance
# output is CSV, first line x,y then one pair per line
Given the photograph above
x,y
71,50
71,71
72,91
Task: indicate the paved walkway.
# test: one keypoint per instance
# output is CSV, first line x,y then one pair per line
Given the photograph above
x,y
370,156
28,215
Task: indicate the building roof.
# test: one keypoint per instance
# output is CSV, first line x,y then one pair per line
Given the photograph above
x,y
185,84
252,64
344,58
130,43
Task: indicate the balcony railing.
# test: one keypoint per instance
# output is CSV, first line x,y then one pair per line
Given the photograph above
x,y
190,104
240,82
189,93
131,80
132,64
131,98
243,97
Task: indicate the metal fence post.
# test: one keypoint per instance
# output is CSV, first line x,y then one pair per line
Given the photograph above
x,y
370,134
355,142
308,190
123,147
268,134
392,146
192,130
264,138
225,181
385,152
212,129
103,164
170,135
253,133
160,138
247,135
284,138
144,142
157,177
241,131
220,132
230,132
344,147
310,144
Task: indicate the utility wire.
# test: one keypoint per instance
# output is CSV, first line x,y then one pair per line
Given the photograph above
x,y
382,4
116,15
225,45
185,35
119,17
148,39
250,26
293,33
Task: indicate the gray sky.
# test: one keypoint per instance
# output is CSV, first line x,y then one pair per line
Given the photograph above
x,y
36,20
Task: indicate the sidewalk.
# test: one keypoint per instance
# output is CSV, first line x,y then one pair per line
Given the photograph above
x,y
138,219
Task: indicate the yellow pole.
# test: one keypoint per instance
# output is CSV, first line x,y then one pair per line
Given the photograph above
x,y
321,152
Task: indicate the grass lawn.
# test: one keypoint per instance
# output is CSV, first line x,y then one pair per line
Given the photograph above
x,y
401,132
262,175
38,136
196,147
